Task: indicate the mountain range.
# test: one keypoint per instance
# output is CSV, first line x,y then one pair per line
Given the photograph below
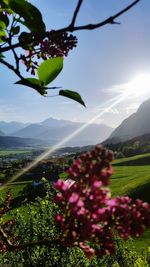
x,y
52,131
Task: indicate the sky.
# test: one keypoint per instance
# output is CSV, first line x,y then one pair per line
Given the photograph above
x,y
108,63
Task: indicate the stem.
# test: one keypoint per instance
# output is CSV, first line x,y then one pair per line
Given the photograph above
x,y
14,247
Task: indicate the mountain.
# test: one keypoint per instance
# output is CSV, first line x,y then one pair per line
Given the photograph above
x,y
53,131
57,123
9,127
136,125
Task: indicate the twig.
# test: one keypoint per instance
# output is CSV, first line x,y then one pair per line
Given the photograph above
x,y
15,247
11,67
17,72
10,43
110,20
72,28
76,13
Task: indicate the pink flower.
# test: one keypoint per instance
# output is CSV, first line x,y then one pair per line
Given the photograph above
x,y
73,198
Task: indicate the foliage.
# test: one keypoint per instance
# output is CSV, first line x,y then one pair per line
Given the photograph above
x,y
37,222
133,147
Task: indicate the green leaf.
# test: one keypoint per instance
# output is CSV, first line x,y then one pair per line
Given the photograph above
x,y
49,69
4,19
4,3
2,36
2,25
31,15
25,38
1,56
73,95
33,83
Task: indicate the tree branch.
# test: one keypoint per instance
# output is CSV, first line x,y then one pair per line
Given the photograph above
x,y
72,28
76,13
11,67
110,20
15,247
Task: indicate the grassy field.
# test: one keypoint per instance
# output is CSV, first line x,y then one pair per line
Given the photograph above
x,y
13,152
133,178
136,158
127,178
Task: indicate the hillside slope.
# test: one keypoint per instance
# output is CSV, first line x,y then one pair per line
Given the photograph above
x,y
135,125
132,177
134,146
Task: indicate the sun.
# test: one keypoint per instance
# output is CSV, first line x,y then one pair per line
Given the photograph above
x,y
139,86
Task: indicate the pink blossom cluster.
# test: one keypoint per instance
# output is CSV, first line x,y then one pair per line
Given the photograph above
x,y
48,46
88,216
56,45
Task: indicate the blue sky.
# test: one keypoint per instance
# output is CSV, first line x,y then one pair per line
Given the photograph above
x,y
104,62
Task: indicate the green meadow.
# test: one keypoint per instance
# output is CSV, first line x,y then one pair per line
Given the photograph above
x,y
132,177
12,152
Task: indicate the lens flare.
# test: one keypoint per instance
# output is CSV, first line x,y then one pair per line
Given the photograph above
x,y
107,106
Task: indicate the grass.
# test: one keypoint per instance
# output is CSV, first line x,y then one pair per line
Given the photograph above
x,y
13,152
139,160
133,178
127,178
132,158
16,188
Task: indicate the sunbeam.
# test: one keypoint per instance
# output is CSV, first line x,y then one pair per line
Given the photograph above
x,y
112,103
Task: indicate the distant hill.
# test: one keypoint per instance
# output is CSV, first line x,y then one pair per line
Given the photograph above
x,y
17,142
134,146
9,127
53,131
136,125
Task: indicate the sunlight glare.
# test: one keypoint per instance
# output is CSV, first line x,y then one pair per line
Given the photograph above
x,y
139,86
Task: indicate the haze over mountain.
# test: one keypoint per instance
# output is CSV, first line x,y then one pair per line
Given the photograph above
x,y
1,133
136,125
53,131
9,127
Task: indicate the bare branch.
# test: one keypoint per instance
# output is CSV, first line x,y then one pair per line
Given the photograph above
x,y
7,48
11,67
110,20
76,13
72,28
